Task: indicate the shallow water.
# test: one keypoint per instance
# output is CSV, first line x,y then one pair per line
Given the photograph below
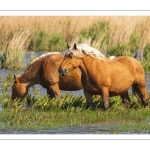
x,y
87,129
100,128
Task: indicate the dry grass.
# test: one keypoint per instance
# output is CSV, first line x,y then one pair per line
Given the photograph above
x,y
15,48
120,27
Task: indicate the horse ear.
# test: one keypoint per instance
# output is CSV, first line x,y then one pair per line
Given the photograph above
x,y
75,46
14,76
68,46
16,79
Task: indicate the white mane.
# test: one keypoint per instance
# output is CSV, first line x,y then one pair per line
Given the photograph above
x,y
44,55
84,49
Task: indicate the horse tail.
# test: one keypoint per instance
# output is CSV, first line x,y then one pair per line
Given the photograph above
x,y
135,91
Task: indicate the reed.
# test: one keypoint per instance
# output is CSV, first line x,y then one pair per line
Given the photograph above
x,y
14,50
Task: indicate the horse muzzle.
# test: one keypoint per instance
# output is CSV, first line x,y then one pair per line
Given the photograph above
x,y
63,72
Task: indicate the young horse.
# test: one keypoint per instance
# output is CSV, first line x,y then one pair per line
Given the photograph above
x,y
106,77
44,71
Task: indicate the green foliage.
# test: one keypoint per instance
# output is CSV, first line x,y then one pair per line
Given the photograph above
x,y
70,101
3,60
56,42
37,112
133,41
14,50
7,82
45,42
39,41
40,112
146,61
99,36
12,60
119,50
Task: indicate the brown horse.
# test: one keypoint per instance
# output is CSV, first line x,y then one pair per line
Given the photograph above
x,y
44,71
106,77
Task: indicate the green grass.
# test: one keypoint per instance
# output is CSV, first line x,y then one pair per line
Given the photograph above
x,y
45,114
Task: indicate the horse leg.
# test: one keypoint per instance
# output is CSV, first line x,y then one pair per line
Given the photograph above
x,y
88,97
126,99
141,94
53,91
105,97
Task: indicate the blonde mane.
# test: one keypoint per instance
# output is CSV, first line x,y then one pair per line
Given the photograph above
x,y
44,55
36,59
84,49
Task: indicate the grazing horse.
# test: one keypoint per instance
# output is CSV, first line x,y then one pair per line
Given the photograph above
x,y
44,71
106,77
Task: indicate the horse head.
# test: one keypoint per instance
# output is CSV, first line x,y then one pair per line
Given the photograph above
x,y
70,61
19,90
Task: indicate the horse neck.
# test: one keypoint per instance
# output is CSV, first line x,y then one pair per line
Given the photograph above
x,y
86,66
30,77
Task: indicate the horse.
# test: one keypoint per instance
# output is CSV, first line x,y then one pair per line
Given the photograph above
x,y
44,71
105,77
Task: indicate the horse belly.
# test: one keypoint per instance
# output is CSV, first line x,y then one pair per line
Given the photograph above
x,y
118,90
70,84
92,89
111,94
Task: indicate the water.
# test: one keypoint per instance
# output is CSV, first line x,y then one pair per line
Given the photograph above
x,y
0,107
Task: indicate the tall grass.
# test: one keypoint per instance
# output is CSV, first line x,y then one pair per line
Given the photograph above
x,y
14,50
120,28
118,35
114,35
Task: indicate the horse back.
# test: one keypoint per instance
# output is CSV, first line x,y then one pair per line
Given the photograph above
x,y
118,74
131,63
